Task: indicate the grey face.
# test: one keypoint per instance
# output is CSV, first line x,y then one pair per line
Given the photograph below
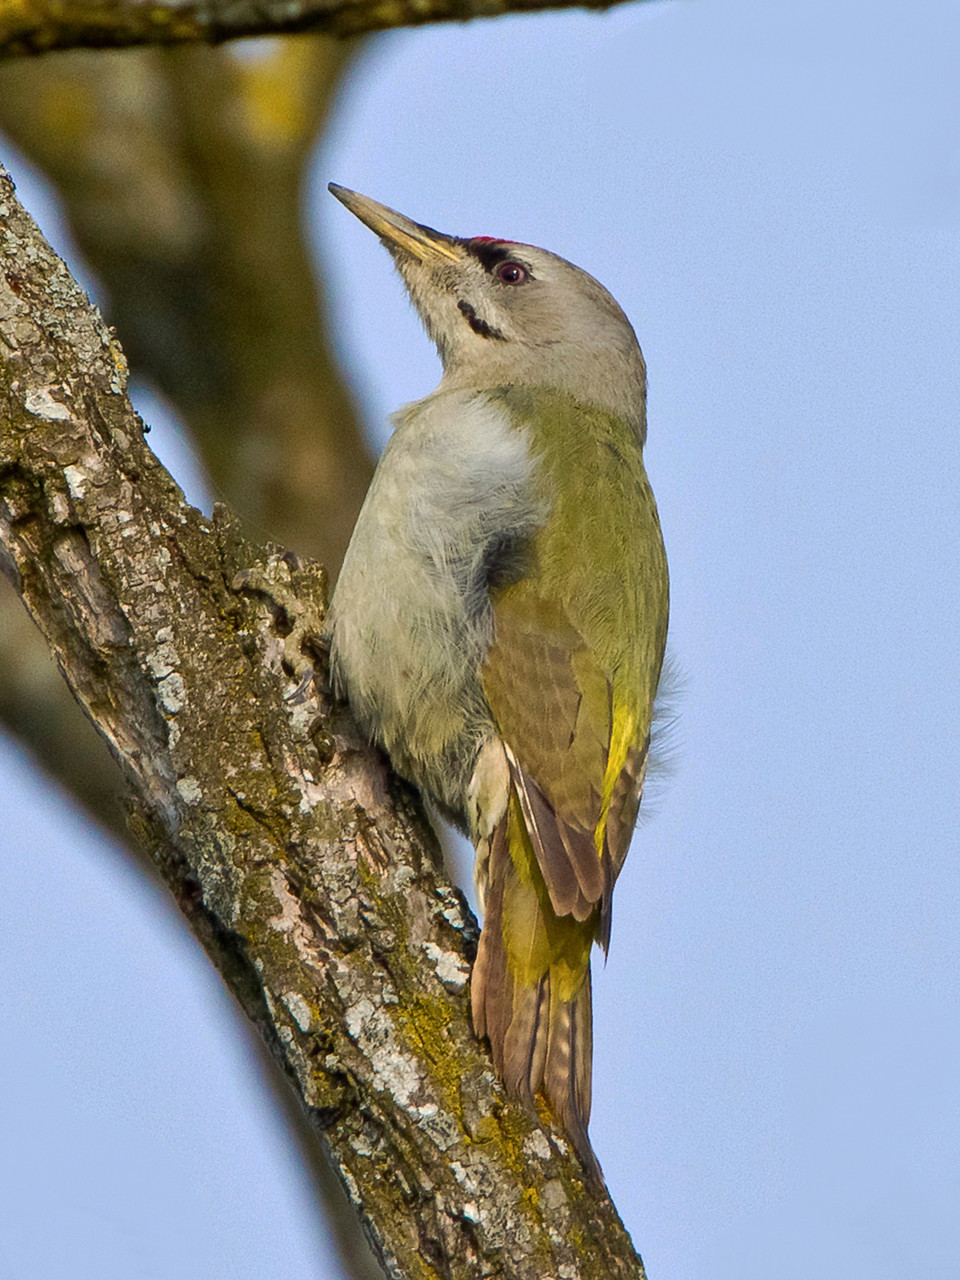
x,y
512,314
497,291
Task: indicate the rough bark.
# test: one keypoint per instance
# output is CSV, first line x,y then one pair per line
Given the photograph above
x,y
39,26
304,867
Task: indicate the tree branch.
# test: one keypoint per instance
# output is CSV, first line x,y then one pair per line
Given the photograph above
x,y
40,26
307,871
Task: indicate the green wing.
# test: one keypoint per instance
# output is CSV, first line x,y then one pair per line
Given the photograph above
x,y
578,644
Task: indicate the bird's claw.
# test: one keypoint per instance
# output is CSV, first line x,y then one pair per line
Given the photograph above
x,y
298,596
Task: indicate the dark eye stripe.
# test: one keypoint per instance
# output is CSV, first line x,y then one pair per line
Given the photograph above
x,y
490,254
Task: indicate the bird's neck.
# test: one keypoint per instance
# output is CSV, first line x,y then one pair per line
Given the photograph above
x,y
609,380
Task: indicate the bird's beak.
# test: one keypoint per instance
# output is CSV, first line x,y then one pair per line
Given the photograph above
x,y
398,232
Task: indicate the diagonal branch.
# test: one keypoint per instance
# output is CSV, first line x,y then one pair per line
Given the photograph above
x,y
307,871
39,26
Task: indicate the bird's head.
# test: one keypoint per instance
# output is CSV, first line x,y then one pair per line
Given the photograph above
x,y
506,314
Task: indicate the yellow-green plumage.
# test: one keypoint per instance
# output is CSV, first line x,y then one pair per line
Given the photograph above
x,y
500,619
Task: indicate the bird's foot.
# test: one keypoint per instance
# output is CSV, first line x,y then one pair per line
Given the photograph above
x,y
297,593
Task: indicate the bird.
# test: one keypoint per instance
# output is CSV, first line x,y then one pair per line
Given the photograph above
x,y
499,622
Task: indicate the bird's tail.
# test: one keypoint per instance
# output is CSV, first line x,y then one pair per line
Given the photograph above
x,y
531,985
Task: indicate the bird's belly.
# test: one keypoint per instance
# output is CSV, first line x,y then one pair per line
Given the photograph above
x,y
411,616
407,648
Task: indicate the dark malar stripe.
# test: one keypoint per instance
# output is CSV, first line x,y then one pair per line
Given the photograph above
x,y
476,324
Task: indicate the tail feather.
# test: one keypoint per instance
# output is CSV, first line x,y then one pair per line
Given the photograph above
x,y
526,1041
531,987
567,1073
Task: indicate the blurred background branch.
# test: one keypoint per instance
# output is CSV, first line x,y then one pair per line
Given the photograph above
x,y
40,26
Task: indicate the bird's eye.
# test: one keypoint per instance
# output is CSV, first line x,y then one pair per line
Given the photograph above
x,y
511,273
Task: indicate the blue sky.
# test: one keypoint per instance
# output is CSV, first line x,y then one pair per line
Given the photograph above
x,y
774,198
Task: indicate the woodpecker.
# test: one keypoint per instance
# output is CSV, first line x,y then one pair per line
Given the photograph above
x,y
499,622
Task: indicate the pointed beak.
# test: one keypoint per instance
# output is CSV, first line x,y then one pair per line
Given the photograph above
x,y
398,232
